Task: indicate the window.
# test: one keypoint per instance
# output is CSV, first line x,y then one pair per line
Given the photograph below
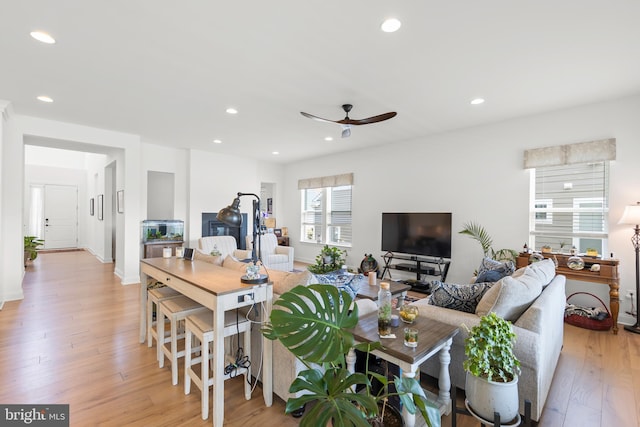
x,y
326,210
570,206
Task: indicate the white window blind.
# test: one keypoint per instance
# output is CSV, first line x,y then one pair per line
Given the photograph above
x,y
326,209
570,204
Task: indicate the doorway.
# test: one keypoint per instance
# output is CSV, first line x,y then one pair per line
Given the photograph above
x,y
53,215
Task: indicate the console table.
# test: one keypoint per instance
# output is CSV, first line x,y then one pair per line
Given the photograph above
x,y
220,290
607,275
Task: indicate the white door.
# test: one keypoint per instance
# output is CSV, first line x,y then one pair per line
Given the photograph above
x,y
60,216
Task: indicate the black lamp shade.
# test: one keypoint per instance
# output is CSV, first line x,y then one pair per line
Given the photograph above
x,y
231,214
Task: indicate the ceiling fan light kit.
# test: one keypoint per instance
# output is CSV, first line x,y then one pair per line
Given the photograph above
x,y
347,122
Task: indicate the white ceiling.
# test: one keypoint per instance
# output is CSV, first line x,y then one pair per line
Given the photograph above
x,y
167,70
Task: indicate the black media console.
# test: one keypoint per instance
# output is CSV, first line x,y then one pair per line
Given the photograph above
x,y
421,265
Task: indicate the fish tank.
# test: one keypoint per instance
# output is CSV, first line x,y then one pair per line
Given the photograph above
x,y
162,230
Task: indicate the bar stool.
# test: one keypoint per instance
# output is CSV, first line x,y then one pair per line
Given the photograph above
x,y
200,326
176,310
154,296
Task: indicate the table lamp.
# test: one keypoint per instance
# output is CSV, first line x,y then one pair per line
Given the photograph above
x,y
631,216
231,216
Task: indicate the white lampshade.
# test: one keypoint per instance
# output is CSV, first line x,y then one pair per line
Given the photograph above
x,y
631,215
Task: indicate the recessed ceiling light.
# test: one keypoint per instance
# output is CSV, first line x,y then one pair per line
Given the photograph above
x,y
43,37
477,101
328,138
45,98
275,153
390,25
232,110
217,141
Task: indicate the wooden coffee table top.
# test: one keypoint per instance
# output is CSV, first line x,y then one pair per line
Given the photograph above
x,y
371,292
431,336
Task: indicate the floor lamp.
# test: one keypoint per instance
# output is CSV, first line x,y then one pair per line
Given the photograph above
x,y
231,216
631,216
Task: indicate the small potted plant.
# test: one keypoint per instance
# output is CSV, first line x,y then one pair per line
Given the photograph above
x,y
329,259
31,245
316,330
546,249
492,369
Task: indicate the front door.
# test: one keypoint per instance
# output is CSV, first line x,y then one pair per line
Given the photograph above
x,y
60,216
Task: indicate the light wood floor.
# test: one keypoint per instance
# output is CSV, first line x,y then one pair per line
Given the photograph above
x,y
74,340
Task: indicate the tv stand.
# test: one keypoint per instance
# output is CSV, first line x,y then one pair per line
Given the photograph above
x,y
420,265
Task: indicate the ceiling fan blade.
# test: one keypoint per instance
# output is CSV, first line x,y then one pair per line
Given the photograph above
x,y
320,119
374,119
346,131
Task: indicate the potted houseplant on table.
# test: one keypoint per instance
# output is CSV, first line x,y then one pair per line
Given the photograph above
x,y
31,245
311,323
492,369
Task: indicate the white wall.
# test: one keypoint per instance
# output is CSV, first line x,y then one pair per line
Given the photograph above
x,y
477,175
11,185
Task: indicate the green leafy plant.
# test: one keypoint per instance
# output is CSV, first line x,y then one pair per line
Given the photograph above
x,y
478,232
329,259
489,350
31,245
317,331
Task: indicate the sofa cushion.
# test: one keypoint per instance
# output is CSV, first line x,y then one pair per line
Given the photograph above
x,y
284,281
463,297
215,260
491,270
512,295
231,262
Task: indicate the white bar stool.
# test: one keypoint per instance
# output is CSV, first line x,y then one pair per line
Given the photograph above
x,y
154,296
200,325
175,309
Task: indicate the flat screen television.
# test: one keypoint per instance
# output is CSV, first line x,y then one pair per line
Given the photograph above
x,y
417,233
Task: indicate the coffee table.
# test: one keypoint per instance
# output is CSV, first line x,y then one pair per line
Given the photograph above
x,y
433,338
397,289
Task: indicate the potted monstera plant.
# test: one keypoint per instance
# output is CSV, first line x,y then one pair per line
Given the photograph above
x,y
492,369
311,323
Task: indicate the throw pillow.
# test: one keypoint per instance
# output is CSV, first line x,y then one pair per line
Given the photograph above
x,y
511,296
347,282
284,281
231,262
491,270
215,260
457,297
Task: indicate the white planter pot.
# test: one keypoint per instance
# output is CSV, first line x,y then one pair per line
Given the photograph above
x,y
486,397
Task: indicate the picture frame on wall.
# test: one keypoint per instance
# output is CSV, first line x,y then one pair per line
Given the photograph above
x,y
91,206
277,232
120,201
100,207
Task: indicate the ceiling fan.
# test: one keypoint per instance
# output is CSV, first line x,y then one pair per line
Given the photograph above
x,y
348,122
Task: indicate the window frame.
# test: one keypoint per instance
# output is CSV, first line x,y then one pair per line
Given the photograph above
x,y
323,235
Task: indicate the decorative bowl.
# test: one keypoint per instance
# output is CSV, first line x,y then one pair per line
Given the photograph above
x,y
575,263
408,313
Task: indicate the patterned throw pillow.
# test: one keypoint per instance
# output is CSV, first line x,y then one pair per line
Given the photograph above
x,y
491,270
347,282
457,297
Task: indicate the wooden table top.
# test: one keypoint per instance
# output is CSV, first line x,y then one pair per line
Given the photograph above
x,y
371,292
431,334
213,278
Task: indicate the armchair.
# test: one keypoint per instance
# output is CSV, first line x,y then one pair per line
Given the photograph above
x,y
274,257
226,245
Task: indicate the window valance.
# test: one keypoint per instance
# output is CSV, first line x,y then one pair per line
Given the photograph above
x,y
582,152
326,181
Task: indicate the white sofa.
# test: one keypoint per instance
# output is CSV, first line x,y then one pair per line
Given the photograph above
x,y
539,332
274,257
226,245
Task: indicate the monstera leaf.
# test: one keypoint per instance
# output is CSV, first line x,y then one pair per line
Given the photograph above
x,y
311,323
